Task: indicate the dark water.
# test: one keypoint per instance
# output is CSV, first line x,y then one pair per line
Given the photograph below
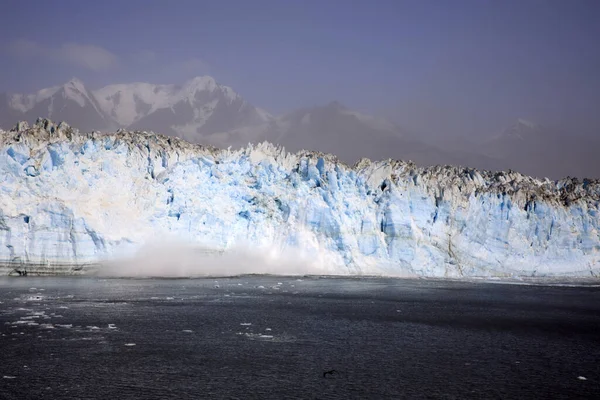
x,y
385,338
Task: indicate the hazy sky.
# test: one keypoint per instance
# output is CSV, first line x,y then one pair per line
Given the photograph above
x,y
448,66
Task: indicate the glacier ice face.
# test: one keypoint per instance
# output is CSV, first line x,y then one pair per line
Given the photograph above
x,y
73,199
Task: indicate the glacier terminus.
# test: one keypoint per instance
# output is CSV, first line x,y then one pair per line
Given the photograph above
x,y
72,201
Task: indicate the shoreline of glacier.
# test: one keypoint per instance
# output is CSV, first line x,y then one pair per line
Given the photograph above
x,y
69,199
93,272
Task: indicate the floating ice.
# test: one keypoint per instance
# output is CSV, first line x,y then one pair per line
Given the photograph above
x,y
255,336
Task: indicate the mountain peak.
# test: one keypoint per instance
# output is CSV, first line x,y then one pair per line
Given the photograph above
x,y
75,83
522,128
201,83
526,124
75,90
336,105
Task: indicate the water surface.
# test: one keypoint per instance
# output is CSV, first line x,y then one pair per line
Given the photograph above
x,y
273,337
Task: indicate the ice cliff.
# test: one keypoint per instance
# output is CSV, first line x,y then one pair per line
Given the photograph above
x,y
69,199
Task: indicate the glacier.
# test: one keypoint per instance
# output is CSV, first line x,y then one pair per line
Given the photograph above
x,y
70,201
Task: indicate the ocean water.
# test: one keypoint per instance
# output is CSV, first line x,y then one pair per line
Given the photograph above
x,y
274,337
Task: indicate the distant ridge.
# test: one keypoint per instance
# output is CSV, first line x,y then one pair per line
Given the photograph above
x,y
203,111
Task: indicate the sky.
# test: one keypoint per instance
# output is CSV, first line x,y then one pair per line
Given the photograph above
x,y
436,67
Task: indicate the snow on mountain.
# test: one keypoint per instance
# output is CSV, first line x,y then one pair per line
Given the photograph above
x,y
127,103
350,135
74,90
197,108
521,129
8,115
333,128
375,122
528,124
71,101
69,200
25,103
204,111
541,151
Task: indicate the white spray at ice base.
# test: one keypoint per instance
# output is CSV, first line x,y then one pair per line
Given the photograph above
x,y
147,204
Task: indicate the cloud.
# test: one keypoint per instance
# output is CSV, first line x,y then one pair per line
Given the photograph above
x,y
144,57
194,66
90,57
144,64
178,70
172,71
155,66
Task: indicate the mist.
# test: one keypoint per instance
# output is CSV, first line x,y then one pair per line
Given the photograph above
x,y
180,259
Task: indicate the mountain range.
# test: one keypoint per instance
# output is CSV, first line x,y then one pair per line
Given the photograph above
x,y
204,111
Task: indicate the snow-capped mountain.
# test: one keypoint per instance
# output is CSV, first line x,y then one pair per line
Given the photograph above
x,y
197,108
522,129
127,103
540,151
8,115
204,111
348,134
330,128
70,200
68,102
